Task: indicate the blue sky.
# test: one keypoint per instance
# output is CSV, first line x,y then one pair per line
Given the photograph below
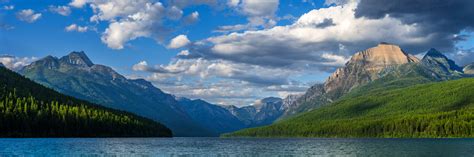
x,y
228,52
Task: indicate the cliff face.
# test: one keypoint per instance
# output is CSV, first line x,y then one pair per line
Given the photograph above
x,y
365,66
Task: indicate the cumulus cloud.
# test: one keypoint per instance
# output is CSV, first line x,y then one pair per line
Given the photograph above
x,y
76,28
205,69
28,15
143,66
179,42
61,10
186,3
174,13
191,18
322,38
78,3
258,12
129,19
16,63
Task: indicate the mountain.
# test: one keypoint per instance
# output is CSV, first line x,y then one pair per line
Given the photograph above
x,y
440,64
469,69
365,66
77,76
433,110
28,109
263,112
213,117
386,61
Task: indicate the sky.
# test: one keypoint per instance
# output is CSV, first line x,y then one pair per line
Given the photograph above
x,y
230,52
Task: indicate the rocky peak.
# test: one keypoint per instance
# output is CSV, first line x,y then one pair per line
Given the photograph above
x,y
440,63
77,58
289,100
263,103
433,53
365,66
48,62
383,55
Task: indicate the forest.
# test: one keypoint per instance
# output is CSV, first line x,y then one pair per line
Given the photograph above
x,y
28,109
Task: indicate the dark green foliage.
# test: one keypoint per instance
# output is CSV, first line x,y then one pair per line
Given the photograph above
x,y
28,109
444,109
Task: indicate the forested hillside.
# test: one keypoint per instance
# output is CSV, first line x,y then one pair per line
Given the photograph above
x,y
442,109
28,109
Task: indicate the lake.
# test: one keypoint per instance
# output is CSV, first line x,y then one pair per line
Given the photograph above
x,y
182,146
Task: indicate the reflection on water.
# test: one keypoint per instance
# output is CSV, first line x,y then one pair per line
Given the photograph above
x,y
234,147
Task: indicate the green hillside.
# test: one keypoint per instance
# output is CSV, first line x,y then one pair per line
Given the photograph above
x,y
444,109
28,109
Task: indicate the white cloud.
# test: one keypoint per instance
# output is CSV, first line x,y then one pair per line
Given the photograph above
x,y
174,13
183,53
233,28
179,42
8,7
258,12
129,19
191,18
76,28
61,10
28,15
233,3
261,8
16,63
206,69
78,3
306,43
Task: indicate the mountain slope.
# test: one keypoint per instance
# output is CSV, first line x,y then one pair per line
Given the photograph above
x,y
28,109
386,61
77,76
213,117
442,109
440,65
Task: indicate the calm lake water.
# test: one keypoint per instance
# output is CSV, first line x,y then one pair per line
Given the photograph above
x,y
234,147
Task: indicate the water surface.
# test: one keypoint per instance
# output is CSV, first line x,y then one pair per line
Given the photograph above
x,y
181,146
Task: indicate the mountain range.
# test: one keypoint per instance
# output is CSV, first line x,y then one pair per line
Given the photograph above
x,y
76,75
382,67
378,89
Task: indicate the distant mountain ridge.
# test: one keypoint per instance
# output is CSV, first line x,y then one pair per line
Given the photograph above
x,y
264,112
